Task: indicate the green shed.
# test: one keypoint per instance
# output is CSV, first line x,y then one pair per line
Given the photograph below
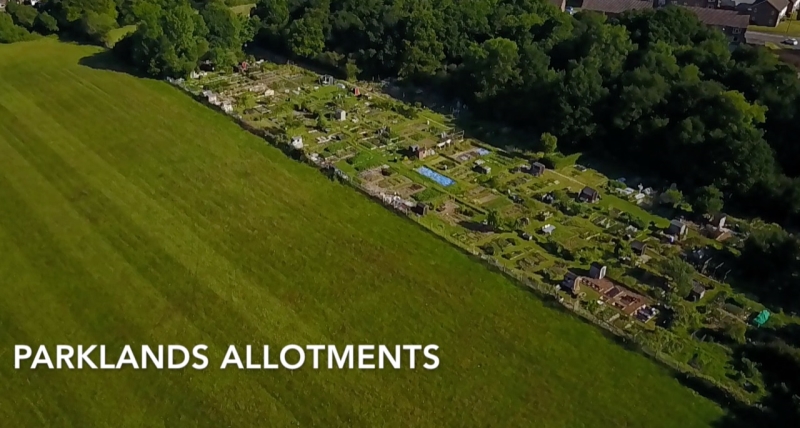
x,y
761,318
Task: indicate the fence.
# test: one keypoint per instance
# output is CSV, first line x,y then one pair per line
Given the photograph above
x,y
549,294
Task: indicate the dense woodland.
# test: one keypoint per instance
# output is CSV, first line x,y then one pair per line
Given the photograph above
x,y
653,90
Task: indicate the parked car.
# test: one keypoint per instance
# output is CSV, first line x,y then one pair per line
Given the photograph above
x,y
792,42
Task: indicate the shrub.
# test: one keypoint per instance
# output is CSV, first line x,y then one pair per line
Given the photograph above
x,y
427,195
10,32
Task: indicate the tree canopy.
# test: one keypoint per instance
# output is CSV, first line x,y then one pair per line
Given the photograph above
x,y
657,87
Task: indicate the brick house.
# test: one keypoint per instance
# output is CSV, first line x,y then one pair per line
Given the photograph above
x,y
713,4
732,23
613,8
767,13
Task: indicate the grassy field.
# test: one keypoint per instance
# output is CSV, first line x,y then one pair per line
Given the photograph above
x,y
243,9
131,214
118,34
788,27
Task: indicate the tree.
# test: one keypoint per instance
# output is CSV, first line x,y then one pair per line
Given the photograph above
x,y
46,24
422,50
492,67
273,17
681,274
494,220
246,101
305,38
686,318
351,70
749,368
592,306
623,250
169,42
707,200
91,19
735,331
10,32
549,142
225,34
322,123
672,197
97,25
771,249
23,15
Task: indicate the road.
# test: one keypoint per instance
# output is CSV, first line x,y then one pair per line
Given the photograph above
x,y
756,38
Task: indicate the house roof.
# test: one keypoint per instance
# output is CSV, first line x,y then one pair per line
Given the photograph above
x,y
638,245
588,191
538,165
615,6
778,5
619,296
597,265
698,288
726,18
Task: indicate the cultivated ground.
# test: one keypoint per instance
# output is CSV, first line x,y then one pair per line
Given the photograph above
x,y
130,214
410,156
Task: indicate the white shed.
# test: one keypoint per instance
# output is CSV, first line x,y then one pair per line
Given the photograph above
x,y
297,142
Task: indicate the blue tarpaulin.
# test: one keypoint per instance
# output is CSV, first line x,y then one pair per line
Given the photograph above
x,y
435,176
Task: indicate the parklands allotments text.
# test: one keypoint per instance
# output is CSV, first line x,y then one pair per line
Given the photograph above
x,y
250,357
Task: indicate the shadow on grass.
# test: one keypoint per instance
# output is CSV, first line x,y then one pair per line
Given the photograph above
x,y
475,226
106,60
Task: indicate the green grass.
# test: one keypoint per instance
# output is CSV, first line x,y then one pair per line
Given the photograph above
x,y
118,34
132,214
788,27
243,9
612,201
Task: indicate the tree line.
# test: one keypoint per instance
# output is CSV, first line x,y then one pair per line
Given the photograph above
x,y
655,87
92,20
